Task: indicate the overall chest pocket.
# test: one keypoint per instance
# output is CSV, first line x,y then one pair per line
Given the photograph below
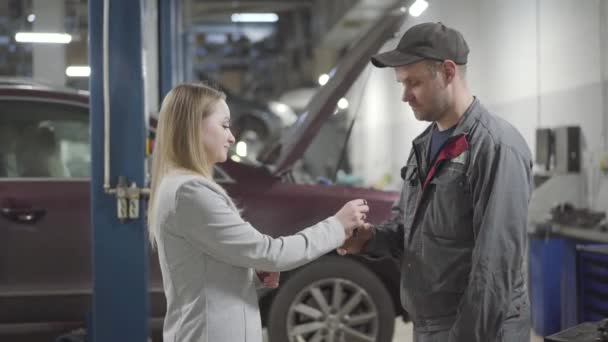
x,y
450,210
411,189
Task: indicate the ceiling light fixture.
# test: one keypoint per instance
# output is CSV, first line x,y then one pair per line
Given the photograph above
x,y
254,17
78,71
418,7
40,37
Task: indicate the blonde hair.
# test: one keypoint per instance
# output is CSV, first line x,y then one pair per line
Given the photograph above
x,y
178,138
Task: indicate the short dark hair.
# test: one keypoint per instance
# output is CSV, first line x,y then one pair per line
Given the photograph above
x,y
433,66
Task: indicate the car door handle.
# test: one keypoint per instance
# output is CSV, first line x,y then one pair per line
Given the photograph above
x,y
23,215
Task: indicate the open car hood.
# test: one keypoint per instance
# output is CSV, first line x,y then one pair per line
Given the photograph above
x,y
323,103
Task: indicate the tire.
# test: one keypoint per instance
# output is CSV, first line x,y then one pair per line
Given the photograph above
x,y
304,307
251,124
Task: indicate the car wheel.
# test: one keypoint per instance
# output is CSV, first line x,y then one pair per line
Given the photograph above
x,y
253,126
333,299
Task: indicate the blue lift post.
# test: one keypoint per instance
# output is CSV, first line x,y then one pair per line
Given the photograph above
x,y
120,262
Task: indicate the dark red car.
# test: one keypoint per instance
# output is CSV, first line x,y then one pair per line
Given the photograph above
x,y
45,257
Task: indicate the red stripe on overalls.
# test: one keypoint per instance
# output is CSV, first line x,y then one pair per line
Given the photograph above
x,y
452,150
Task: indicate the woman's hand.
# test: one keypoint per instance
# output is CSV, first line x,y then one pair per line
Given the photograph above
x,y
352,215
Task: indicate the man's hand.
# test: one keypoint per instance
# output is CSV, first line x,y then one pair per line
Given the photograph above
x,y
269,279
356,243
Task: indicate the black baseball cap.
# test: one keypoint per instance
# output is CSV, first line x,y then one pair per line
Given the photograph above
x,y
425,41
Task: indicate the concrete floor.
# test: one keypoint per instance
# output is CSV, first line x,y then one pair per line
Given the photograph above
x,y
403,333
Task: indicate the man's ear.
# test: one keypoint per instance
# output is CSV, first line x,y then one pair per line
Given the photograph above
x,y
449,70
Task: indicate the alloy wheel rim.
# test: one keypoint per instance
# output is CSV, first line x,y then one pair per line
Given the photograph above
x,y
333,310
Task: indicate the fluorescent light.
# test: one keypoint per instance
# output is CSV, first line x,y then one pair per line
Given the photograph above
x,y
254,17
343,103
31,18
39,37
418,7
78,71
241,148
323,79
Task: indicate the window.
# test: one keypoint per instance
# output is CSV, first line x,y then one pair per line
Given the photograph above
x,y
44,140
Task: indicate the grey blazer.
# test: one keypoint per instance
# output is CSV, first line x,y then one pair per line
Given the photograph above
x,y
208,254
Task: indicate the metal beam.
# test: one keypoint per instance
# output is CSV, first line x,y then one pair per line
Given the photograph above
x,y
199,11
170,44
119,248
262,3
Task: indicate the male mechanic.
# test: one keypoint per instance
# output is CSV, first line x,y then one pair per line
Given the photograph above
x,y
459,226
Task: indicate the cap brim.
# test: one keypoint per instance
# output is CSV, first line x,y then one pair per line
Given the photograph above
x,y
394,58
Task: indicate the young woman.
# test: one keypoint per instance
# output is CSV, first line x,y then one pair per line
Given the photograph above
x,y
208,253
